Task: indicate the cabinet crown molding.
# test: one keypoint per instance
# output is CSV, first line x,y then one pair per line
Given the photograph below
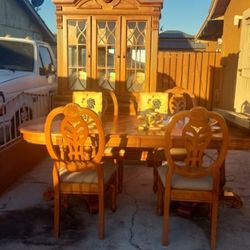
x,y
107,4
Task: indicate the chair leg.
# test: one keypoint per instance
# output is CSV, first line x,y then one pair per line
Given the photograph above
x,y
214,219
157,163
66,202
166,217
120,175
113,188
152,162
155,178
159,197
57,202
101,216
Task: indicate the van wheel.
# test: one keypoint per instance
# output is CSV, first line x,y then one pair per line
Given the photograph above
x,y
24,114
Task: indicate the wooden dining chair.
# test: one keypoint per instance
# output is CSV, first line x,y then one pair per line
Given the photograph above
x,y
103,102
179,99
196,178
78,166
153,101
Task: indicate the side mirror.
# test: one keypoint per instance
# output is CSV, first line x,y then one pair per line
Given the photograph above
x,y
42,71
51,69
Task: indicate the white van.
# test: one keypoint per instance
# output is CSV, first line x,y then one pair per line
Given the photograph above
x,y
26,66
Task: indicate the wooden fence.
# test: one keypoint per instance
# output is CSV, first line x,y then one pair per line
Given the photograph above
x,y
199,72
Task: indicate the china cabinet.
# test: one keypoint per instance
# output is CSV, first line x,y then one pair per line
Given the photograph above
x,y
107,44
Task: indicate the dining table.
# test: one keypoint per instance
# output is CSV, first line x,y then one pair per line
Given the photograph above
x,y
124,131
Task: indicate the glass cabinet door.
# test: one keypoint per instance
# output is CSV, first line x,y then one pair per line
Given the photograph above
x,y
135,72
135,54
106,54
77,41
106,59
93,58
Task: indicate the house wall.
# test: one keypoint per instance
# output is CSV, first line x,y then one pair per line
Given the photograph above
x,y
16,22
212,46
230,51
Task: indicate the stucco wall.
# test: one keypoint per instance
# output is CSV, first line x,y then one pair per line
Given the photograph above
x,y
230,50
16,22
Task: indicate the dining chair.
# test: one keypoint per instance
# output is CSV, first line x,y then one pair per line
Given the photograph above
x,y
78,166
179,99
153,101
102,102
196,178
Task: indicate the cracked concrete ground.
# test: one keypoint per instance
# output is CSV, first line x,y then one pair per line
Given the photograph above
x,y
26,219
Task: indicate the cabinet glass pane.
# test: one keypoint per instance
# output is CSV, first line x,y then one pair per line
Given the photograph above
x,y
101,57
77,58
72,56
136,56
106,78
77,78
106,54
82,56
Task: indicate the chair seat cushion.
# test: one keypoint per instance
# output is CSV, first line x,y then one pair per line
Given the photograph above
x,y
181,182
88,175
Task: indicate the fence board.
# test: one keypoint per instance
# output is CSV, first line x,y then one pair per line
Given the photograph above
x,y
198,72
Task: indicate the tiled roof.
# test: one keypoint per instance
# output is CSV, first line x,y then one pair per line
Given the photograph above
x,y
169,34
178,40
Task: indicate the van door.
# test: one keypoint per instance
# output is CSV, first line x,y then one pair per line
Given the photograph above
x,y
242,93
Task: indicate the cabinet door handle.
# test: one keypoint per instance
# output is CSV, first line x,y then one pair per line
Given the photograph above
x,y
89,55
118,56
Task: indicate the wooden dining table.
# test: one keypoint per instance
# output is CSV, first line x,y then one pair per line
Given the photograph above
x,y
123,132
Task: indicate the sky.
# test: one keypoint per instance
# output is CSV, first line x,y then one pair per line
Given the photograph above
x,y
184,15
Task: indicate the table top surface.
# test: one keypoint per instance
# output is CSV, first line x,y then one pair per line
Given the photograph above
x,y
33,131
125,126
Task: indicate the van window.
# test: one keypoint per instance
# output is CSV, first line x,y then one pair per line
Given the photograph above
x,y
16,56
46,60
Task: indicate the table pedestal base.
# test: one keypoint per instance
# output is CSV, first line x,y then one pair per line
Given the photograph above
x,y
186,209
232,199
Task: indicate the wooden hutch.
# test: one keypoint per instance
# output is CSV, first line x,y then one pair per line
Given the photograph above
x,y
110,44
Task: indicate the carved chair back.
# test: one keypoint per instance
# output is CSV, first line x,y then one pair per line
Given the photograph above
x,y
82,142
99,101
179,99
197,127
